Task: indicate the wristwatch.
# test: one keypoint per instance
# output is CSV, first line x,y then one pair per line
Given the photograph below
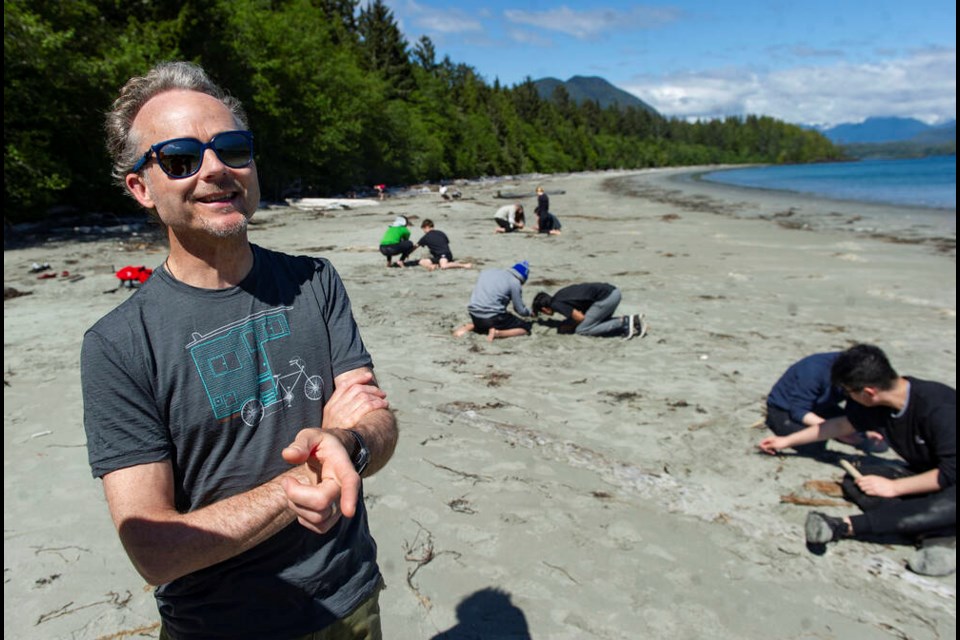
x,y
361,454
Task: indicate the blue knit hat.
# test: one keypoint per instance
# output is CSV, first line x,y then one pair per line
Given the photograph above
x,y
522,269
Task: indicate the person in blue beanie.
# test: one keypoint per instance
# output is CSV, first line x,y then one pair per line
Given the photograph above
x,y
495,289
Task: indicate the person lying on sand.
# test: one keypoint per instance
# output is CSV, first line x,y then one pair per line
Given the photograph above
x,y
495,289
919,420
588,309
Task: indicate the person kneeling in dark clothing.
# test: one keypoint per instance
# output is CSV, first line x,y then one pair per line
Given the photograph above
x,y
588,309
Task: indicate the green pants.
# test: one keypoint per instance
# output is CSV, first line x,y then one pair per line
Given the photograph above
x,y
363,623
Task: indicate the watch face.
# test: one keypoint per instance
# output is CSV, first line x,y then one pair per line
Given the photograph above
x,y
361,457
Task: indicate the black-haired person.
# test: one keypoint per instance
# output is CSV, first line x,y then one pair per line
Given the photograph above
x,y
588,309
918,419
546,221
495,289
437,243
396,242
509,218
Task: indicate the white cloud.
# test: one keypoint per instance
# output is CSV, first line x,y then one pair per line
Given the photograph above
x,y
440,21
449,21
590,24
528,37
921,85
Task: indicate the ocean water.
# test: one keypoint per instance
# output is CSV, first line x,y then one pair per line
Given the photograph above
x,y
924,182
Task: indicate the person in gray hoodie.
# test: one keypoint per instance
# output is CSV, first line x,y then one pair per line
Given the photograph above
x,y
495,289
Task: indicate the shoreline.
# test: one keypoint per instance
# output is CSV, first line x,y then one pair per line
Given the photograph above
x,y
795,210
575,487
700,176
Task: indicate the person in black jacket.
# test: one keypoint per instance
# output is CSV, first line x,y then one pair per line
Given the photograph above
x,y
588,309
918,418
546,221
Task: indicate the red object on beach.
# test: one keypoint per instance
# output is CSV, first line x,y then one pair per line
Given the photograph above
x,y
134,274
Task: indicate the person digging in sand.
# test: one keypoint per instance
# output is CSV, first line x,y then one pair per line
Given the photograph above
x,y
396,242
804,396
439,246
918,418
495,289
588,309
509,218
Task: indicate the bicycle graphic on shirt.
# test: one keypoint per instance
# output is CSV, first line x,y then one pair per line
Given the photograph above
x,y
236,371
276,388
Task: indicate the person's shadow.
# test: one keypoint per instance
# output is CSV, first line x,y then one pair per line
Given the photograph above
x,y
487,614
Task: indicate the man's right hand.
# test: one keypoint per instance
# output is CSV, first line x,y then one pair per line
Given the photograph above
x,y
319,504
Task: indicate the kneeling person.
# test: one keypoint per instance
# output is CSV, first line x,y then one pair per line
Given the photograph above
x,y
495,289
588,309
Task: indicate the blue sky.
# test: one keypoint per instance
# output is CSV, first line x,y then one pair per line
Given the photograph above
x,y
805,61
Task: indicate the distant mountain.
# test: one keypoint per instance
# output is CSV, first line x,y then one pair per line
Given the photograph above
x,y
583,88
874,130
930,141
940,134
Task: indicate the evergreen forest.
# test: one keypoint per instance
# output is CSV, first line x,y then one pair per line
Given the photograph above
x,y
336,97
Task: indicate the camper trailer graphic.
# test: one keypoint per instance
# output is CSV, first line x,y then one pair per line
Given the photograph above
x,y
228,358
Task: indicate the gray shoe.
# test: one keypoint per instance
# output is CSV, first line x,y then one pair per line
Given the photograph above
x,y
934,560
821,528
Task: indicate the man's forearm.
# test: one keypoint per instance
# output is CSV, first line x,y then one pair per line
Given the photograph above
x,y
164,544
926,482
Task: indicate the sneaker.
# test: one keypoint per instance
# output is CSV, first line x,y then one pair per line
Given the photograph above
x,y
640,324
821,528
937,557
631,327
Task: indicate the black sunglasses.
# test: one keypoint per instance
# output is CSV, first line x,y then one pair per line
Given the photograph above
x,y
182,157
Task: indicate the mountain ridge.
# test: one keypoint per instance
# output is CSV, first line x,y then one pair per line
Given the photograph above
x,y
879,130
584,88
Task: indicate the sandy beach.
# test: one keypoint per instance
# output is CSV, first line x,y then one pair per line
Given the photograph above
x,y
547,487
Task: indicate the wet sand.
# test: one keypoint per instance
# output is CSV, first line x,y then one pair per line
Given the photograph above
x,y
548,486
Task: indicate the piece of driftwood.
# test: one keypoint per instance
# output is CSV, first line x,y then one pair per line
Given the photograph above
x,y
793,498
517,196
826,487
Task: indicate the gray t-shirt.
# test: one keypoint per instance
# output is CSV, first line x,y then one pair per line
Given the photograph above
x,y
219,382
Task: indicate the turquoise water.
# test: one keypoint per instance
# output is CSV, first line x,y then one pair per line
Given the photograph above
x,y
923,182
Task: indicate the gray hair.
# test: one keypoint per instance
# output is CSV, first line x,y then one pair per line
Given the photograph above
x,y
166,76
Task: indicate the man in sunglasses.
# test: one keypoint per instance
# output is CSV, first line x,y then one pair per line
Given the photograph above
x,y
230,404
917,501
